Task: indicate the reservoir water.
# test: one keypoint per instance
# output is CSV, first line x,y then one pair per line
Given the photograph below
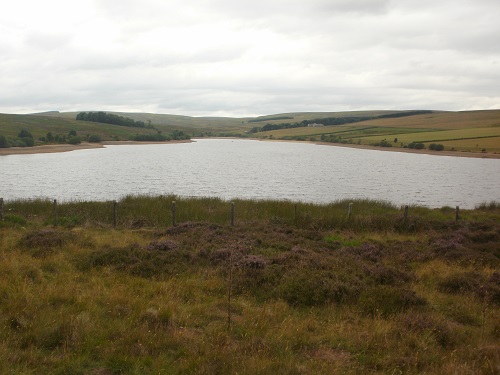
x,y
233,168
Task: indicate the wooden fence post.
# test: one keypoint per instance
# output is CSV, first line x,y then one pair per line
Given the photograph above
x,y
229,287
232,214
1,209
405,220
115,213
55,212
457,211
349,213
173,213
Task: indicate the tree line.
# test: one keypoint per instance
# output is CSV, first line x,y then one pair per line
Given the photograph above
x,y
26,139
329,121
110,118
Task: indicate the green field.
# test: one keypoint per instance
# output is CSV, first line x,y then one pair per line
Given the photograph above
x,y
476,131
472,131
289,289
39,126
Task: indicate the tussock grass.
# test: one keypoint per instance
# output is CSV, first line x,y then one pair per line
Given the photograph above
x,y
364,295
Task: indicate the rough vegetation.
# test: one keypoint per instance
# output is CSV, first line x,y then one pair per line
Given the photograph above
x,y
278,292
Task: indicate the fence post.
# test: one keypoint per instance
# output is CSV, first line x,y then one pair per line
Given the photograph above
x,y
229,287
115,213
1,209
457,211
349,213
405,220
173,213
232,214
55,212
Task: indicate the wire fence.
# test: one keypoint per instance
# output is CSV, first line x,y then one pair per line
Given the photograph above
x,y
164,211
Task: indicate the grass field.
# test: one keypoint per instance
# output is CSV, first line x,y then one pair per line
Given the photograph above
x,y
446,135
454,130
281,291
457,131
39,126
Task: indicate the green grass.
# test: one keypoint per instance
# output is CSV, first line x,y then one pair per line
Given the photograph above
x,y
39,126
156,211
456,130
311,292
443,135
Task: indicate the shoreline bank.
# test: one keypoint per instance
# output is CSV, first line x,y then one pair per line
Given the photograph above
x,y
462,154
46,149
67,147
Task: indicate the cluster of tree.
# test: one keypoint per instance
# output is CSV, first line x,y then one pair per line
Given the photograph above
x,y
302,124
24,139
72,138
416,145
271,118
421,146
383,143
159,137
404,114
328,121
436,147
109,118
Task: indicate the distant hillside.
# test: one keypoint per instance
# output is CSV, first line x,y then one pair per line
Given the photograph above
x,y
40,125
220,125
472,131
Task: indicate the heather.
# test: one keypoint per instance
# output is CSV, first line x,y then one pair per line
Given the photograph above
x,y
290,288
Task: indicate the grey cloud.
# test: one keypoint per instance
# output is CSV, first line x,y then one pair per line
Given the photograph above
x,y
259,57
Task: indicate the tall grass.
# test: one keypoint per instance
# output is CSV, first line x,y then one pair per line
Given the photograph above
x,y
338,296
136,211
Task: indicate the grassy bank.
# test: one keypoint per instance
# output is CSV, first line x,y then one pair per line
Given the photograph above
x,y
475,132
289,289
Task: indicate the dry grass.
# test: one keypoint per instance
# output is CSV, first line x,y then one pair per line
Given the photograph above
x,y
306,300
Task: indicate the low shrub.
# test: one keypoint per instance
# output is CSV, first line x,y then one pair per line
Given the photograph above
x,y
44,241
13,220
94,138
162,245
383,275
74,140
316,288
387,300
461,283
155,318
436,147
137,261
416,145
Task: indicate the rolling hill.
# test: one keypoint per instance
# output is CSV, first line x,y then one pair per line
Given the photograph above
x,y
471,131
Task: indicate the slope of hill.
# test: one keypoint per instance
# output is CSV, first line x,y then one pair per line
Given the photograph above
x,y
471,131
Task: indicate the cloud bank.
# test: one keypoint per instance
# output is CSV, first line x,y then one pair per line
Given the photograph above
x,y
221,57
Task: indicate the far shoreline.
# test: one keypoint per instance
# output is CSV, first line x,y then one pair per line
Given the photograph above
x,y
56,148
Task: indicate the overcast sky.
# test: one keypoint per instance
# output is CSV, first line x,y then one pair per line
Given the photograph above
x,y
241,58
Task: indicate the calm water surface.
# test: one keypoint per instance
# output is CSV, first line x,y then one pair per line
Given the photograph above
x,y
251,169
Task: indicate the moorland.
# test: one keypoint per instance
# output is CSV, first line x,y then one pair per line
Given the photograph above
x,y
289,288
467,133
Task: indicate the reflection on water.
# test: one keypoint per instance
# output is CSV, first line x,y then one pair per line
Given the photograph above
x,y
251,169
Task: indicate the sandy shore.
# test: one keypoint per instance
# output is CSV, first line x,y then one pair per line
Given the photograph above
x,y
463,154
66,147
45,149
